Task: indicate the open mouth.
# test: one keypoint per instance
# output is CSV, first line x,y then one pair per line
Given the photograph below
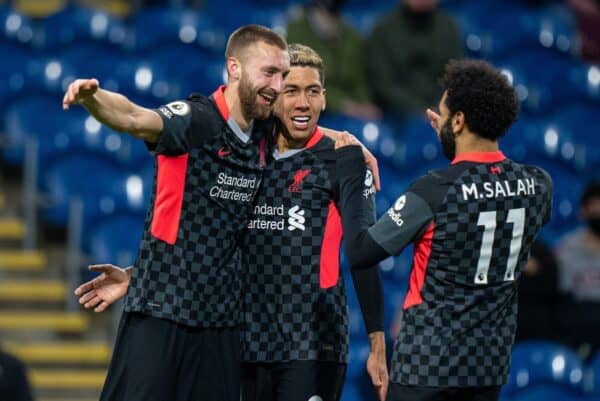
x,y
268,98
300,122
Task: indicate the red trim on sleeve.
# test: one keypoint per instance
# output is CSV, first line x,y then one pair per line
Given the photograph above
x,y
315,138
219,97
480,157
420,261
330,248
170,185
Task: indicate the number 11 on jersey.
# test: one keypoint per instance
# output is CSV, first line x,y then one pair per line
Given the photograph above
x,y
488,221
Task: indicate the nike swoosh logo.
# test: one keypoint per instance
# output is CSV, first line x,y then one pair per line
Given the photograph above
x,y
223,152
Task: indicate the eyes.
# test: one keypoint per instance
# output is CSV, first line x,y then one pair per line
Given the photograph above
x,y
294,91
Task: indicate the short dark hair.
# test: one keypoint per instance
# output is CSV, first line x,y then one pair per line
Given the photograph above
x,y
591,191
483,94
304,56
247,35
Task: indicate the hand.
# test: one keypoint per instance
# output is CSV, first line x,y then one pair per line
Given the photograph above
x,y
105,289
79,91
376,365
434,120
347,139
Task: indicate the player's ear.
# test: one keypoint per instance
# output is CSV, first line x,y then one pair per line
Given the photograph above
x,y
458,122
324,100
234,68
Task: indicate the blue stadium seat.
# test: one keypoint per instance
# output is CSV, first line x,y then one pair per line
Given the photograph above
x,y
116,239
12,70
357,358
547,77
139,78
49,121
158,27
594,375
103,68
82,26
202,72
273,15
17,27
48,74
544,364
69,178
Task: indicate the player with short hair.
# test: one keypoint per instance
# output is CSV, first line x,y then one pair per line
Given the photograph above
x,y
472,225
295,327
179,334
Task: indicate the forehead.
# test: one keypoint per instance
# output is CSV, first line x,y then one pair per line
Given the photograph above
x,y
303,76
262,54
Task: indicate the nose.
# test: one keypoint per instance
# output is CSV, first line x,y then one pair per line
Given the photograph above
x,y
277,83
302,101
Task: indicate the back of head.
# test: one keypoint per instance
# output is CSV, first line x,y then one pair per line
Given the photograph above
x,y
591,192
484,95
247,35
304,56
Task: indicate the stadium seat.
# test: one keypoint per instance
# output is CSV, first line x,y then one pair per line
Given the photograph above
x,y
116,239
138,78
272,14
49,122
202,72
593,376
65,180
17,27
48,74
106,58
76,25
157,27
357,357
543,364
12,69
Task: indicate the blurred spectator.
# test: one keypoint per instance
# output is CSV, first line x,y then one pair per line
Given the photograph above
x,y
588,21
538,296
406,52
321,27
579,273
13,379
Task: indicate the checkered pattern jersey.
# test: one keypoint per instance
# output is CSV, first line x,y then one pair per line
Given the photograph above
x,y
459,326
188,266
288,314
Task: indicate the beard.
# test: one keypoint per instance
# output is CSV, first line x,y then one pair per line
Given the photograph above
x,y
248,94
448,140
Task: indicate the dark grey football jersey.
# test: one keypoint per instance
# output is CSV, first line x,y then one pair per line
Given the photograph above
x,y
208,173
472,225
294,300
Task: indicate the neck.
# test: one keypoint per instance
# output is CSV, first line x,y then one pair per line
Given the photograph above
x,y
285,142
469,142
235,107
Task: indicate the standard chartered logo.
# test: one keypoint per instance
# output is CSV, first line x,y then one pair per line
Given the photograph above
x,y
296,219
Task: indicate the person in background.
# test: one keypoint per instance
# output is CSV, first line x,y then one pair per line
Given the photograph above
x,y
406,52
579,274
14,385
321,27
539,296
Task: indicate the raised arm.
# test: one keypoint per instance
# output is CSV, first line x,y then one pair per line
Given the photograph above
x,y
114,110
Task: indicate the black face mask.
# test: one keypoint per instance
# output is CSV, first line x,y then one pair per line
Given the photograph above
x,y
448,140
594,224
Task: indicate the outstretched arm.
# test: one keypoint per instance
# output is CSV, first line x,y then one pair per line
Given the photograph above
x,y
106,289
114,110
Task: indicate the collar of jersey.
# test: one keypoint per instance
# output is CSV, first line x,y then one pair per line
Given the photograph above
x,y
314,139
219,98
480,157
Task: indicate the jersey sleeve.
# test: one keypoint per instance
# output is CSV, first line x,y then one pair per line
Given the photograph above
x,y
356,202
174,139
404,222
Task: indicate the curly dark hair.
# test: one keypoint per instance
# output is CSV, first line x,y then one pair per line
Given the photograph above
x,y
483,94
591,191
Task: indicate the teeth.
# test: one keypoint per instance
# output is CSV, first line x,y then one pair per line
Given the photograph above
x,y
301,119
